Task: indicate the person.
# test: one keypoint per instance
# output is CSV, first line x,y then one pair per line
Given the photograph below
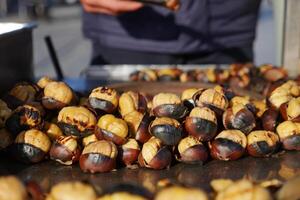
x,y
199,32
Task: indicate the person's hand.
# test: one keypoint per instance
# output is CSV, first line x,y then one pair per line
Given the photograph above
x,y
111,7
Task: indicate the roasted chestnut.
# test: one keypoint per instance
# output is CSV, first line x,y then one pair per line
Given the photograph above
x,y
57,95
260,107
291,110
202,123
290,189
188,76
23,118
138,124
31,146
23,92
129,152
5,113
168,74
213,99
168,105
72,190
191,150
112,128
98,156
262,143
272,73
12,189
65,150
154,155
289,134
131,101
89,139
228,145
239,117
181,193
6,138
144,75
168,130
104,100
187,97
270,119
43,82
217,75
52,130
76,121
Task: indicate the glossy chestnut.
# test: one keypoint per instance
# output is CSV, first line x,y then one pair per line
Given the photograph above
x,y
132,101
104,100
291,110
270,119
65,150
89,139
112,128
191,150
31,146
181,193
76,121
272,73
262,143
202,123
154,155
52,130
12,189
168,130
168,105
228,145
289,134
187,97
129,152
98,156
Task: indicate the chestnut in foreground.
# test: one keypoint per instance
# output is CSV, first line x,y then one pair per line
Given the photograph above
x,y
98,156
52,130
112,128
291,110
154,155
132,101
289,134
181,193
65,150
89,139
76,121
104,100
129,152
168,105
228,145
191,150
262,143
168,130
187,97
202,123
31,146
270,119
12,188
72,190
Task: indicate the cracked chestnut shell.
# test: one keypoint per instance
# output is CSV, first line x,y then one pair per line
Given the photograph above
x,y
228,145
65,150
239,117
168,105
155,155
129,152
23,118
44,81
99,156
52,130
191,150
181,193
272,73
168,130
131,101
289,134
187,97
270,119
262,143
89,139
31,146
112,128
57,95
202,123
72,190
291,110
138,125
12,189
76,121
104,100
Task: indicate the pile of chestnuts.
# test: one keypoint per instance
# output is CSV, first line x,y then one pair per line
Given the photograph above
x,y
107,130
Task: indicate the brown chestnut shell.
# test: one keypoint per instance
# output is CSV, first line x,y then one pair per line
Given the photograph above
x,y
175,111
128,156
27,153
270,119
69,129
202,129
95,162
224,149
292,142
143,134
194,154
107,135
161,160
168,134
101,106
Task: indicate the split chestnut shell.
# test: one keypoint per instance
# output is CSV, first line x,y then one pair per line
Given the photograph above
x,y
129,152
130,102
289,134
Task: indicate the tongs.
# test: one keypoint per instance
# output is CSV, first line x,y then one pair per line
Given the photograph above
x,y
171,4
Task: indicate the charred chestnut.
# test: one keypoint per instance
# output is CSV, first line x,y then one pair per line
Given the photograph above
x,y
57,95
52,130
98,156
289,134
112,128
23,92
262,143
187,97
129,152
72,190
270,119
76,121
182,193
23,118
291,110
44,81
228,145
89,139
154,155
191,150
104,99
168,105
138,124
31,146
202,123
168,74
5,113
12,189
144,75
131,101
168,130
65,150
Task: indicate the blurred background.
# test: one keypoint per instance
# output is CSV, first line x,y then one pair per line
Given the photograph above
x,y
61,19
